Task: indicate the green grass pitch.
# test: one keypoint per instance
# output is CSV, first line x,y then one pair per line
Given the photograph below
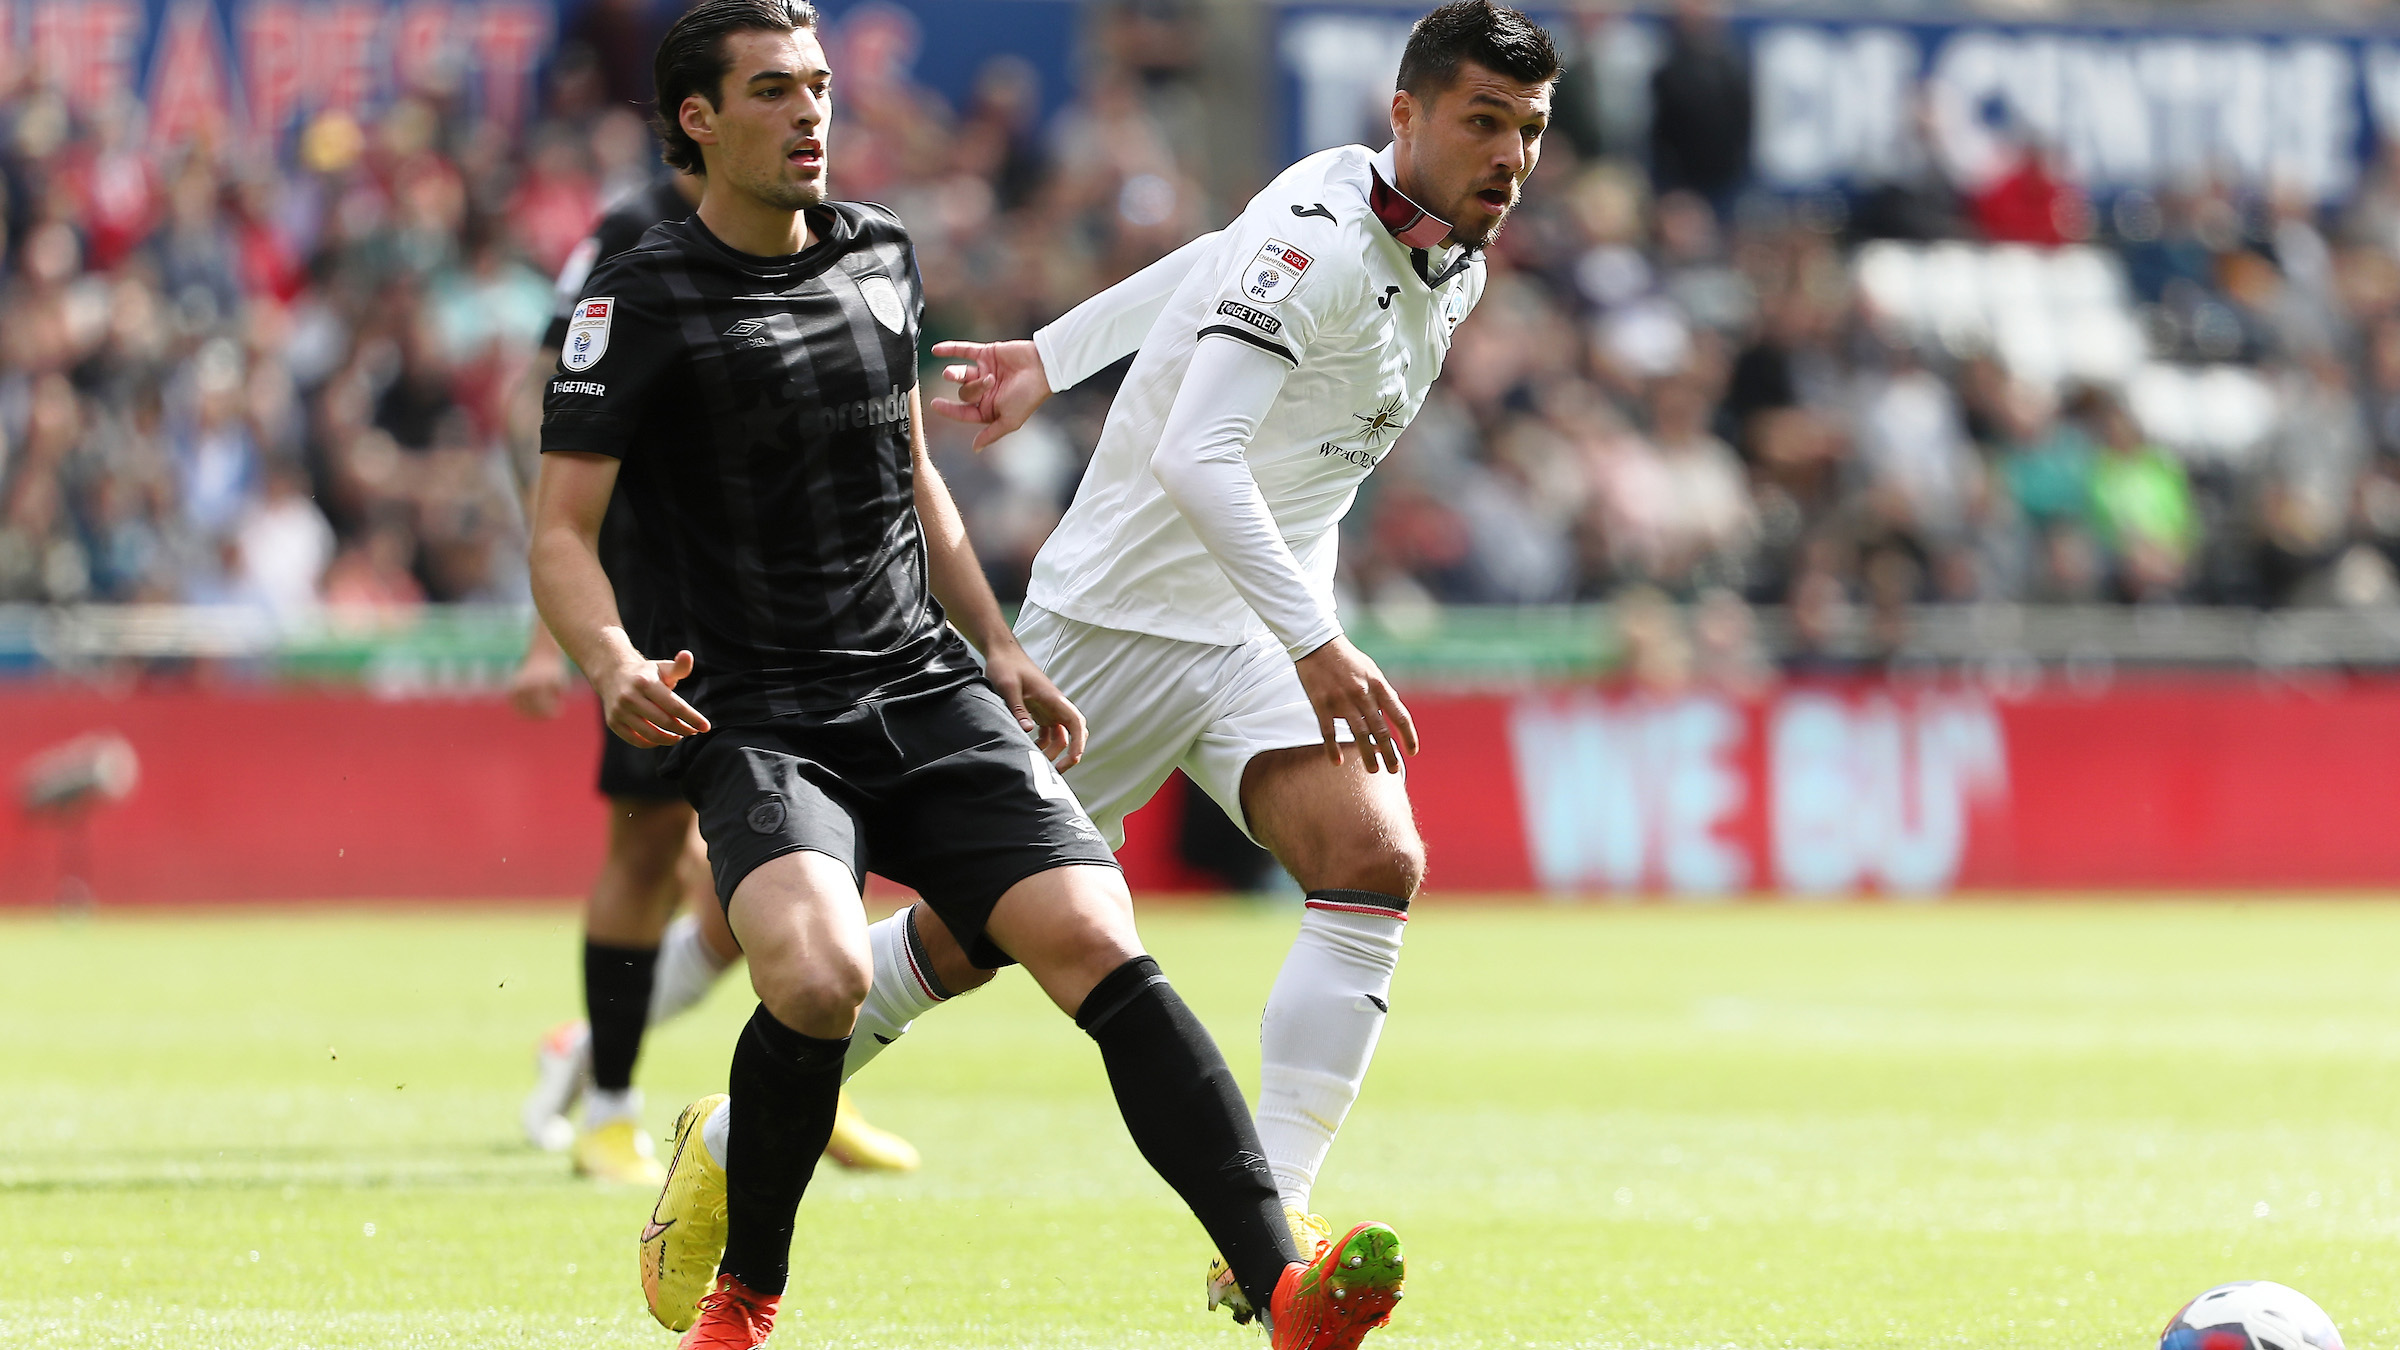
x,y
1753,1126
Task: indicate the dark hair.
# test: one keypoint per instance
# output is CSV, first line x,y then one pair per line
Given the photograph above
x,y
1495,37
691,60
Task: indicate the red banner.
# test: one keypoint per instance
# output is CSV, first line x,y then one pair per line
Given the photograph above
x,y
2158,782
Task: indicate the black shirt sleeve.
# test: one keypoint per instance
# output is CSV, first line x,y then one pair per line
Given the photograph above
x,y
619,346
617,231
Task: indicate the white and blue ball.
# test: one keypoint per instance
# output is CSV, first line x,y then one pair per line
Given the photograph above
x,y
2251,1315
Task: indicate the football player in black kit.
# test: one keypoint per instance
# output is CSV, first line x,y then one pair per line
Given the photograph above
x,y
749,377
641,964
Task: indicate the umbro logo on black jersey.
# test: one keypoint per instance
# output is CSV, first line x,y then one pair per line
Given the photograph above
x,y
1265,323
1313,209
745,328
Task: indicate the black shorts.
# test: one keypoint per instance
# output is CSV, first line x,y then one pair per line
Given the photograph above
x,y
628,770
941,792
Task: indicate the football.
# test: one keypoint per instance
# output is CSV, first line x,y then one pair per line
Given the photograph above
x,y
2251,1315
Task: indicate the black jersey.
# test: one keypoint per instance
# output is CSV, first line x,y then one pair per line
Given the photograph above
x,y
642,604
760,407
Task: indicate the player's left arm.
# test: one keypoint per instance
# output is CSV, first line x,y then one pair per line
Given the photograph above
x,y
958,582
1004,382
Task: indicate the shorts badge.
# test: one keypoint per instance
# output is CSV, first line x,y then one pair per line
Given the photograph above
x,y
766,817
587,333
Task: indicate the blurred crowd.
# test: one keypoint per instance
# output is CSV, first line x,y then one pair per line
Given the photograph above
x,y
305,386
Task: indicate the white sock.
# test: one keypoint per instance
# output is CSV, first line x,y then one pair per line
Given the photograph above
x,y
1320,1028
904,989
713,1130
686,970
599,1108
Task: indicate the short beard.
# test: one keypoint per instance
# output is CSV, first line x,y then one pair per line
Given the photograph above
x,y
1489,237
785,195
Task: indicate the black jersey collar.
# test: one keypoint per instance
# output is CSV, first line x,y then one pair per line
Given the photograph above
x,y
834,231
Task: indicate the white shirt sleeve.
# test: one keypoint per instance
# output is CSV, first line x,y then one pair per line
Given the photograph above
x,y
1226,394
1109,327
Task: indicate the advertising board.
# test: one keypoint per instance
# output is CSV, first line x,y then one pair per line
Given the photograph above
x,y
1909,792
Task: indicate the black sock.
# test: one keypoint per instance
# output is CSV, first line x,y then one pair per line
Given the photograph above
x,y
616,1001
1376,900
785,1086
1189,1120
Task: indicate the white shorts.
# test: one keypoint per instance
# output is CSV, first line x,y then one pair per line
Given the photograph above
x,y
1157,704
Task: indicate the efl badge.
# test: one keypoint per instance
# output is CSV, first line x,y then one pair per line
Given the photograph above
x,y
1274,272
587,333
883,299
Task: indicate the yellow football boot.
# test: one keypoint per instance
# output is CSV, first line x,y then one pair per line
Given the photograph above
x,y
619,1152
863,1148
1310,1233
685,1236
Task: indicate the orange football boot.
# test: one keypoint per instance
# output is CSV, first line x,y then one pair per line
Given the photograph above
x,y
731,1318
1331,1303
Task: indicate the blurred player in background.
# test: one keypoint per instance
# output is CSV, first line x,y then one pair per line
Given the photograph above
x,y
639,969
1186,600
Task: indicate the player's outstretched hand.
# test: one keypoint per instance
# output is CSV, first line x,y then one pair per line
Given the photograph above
x,y
1345,686
643,708
999,388
1045,714
539,686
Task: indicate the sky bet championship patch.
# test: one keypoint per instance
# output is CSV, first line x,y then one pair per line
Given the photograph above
x,y
1273,274
587,334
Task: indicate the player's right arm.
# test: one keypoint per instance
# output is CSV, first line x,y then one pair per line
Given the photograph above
x,y
619,344
1004,382
580,607
1275,297
1202,464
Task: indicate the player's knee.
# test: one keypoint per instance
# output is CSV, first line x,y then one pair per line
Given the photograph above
x,y
819,997
1389,866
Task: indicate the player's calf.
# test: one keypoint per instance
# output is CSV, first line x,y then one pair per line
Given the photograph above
x,y
1179,1100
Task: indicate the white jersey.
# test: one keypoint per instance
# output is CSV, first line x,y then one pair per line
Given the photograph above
x,y
1311,273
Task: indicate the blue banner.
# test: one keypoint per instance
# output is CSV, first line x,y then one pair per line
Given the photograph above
x,y
1851,102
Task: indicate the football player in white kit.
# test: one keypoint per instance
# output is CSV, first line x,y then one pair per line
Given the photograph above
x,y
1185,602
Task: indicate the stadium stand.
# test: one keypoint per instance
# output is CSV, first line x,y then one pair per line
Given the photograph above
x,y
292,391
